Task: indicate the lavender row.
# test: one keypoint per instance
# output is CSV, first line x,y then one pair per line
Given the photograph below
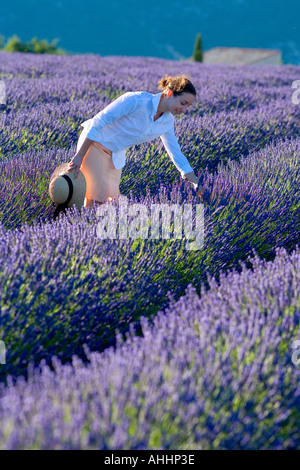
x,y
216,372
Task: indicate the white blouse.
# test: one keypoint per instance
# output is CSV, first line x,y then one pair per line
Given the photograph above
x,y
128,121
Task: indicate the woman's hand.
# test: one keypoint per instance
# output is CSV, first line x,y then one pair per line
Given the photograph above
x,y
75,163
202,192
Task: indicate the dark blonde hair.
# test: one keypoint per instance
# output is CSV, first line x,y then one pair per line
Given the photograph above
x,y
179,84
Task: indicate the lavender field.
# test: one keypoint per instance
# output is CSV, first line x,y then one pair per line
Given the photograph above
x,y
140,343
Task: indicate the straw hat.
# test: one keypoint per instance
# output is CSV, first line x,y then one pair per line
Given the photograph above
x,y
64,190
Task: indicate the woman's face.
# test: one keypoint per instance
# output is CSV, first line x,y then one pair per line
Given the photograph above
x,y
180,103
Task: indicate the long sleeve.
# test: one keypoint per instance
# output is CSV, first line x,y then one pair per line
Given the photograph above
x,y
173,149
122,106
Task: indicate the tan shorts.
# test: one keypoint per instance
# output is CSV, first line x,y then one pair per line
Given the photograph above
x,y
102,179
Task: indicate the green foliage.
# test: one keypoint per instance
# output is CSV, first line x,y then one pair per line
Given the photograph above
x,y
198,53
14,44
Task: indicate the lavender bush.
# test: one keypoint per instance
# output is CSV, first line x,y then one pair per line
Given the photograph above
x,y
210,373
63,287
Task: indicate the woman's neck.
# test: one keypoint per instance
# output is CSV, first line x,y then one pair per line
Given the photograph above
x,y
157,116
160,109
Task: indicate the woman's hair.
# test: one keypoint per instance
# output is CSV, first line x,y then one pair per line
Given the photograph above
x,y
179,84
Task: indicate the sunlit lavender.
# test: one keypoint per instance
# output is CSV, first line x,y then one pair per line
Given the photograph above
x,y
207,364
210,373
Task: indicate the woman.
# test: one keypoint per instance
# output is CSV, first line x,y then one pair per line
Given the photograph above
x,y
133,118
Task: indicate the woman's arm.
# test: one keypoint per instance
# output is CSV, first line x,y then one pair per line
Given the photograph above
x,y
173,149
76,161
84,147
191,177
201,191
172,146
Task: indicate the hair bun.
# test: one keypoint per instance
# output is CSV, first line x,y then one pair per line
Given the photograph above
x,y
178,84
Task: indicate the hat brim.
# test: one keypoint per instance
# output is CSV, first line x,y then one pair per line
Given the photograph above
x,y
79,185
